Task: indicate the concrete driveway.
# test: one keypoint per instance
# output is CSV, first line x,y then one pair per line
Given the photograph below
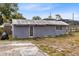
x,y
20,49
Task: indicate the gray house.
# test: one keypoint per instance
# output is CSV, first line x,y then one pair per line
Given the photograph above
x,y
38,28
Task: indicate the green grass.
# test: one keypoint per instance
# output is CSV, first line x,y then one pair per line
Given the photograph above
x,y
1,30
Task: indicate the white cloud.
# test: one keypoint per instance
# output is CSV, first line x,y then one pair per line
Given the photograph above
x,y
34,7
28,16
45,15
76,16
31,6
39,7
67,15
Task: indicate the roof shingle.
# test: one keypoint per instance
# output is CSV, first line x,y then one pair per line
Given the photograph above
x,y
37,22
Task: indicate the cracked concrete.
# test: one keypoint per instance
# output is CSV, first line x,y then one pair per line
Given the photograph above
x,y
20,49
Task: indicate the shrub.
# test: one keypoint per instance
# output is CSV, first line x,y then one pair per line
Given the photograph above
x,y
1,30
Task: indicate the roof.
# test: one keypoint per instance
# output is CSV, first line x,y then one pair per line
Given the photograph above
x,y
48,19
5,24
37,22
69,21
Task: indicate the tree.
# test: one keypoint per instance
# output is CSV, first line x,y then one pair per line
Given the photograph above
x,y
58,17
49,17
9,11
8,8
1,20
36,18
17,16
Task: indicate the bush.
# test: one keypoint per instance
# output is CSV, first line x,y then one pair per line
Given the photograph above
x,y
1,30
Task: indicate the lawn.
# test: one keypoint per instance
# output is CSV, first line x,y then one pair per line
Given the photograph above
x,y
65,45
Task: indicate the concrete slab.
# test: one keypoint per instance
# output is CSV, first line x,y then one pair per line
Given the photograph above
x,y
21,49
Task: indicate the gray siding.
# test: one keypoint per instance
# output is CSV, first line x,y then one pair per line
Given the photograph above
x,y
48,30
39,31
44,31
20,32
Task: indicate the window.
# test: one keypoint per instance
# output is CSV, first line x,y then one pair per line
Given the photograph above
x,y
31,30
58,27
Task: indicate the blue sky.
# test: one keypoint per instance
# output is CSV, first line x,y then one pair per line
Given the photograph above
x,y
43,10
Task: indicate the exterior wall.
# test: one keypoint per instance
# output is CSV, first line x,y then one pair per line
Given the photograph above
x,y
39,31
20,31
48,30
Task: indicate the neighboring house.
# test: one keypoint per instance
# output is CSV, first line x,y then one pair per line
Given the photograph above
x,y
38,28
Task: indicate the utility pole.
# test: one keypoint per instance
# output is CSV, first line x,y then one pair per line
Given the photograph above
x,y
50,15
72,16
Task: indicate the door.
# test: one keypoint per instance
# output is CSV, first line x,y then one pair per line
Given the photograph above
x,y
31,30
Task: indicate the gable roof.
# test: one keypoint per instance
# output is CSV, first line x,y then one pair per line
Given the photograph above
x,y
37,22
